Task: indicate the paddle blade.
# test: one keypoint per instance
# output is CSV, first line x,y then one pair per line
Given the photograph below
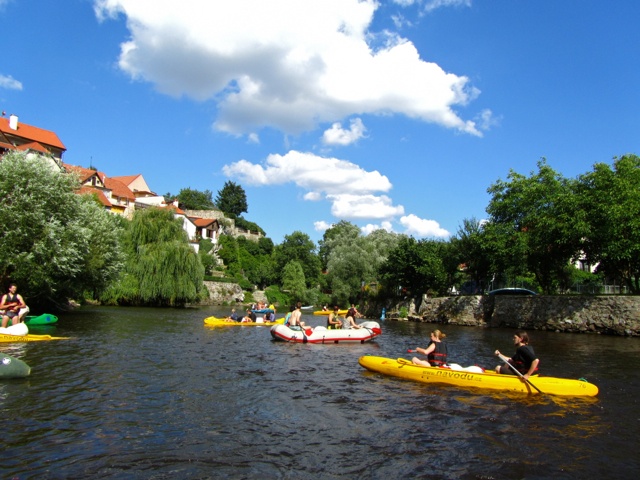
x,y
308,331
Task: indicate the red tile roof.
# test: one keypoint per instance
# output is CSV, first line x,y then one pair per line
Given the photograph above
x,y
95,191
29,132
119,189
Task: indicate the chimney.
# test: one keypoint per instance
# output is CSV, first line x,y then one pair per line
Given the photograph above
x,y
13,122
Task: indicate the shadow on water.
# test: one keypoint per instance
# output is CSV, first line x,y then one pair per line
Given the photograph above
x,y
152,393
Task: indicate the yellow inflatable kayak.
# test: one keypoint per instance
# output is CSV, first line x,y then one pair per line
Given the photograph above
x,y
342,313
489,380
28,338
221,322
20,333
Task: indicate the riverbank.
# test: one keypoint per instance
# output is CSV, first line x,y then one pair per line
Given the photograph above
x,y
603,314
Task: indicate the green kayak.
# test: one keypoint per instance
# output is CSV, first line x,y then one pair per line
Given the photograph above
x,y
44,319
11,367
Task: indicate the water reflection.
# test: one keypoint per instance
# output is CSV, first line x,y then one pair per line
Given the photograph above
x,y
152,393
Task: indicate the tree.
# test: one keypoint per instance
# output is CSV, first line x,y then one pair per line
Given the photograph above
x,y
298,246
161,269
354,260
610,200
541,211
232,199
293,279
472,247
334,235
417,267
189,199
55,244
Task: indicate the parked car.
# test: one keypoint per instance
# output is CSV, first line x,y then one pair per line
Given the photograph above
x,y
512,291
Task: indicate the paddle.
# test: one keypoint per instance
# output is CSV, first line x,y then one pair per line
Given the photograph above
x,y
506,360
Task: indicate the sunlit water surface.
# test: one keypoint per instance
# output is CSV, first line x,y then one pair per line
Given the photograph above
x,y
154,394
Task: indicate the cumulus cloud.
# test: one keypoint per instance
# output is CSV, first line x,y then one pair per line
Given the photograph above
x,y
329,179
7,81
319,175
321,226
286,64
337,135
420,227
370,227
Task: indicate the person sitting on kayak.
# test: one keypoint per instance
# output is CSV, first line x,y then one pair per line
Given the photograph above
x,y
250,317
436,351
524,360
294,321
349,322
233,317
333,321
13,306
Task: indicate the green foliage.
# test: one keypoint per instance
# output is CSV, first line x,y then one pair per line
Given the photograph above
x,y
246,225
298,247
611,196
190,199
278,297
55,244
354,260
336,234
161,269
206,259
293,280
417,267
232,199
540,214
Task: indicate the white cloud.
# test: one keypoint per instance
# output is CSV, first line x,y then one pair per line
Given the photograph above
x,y
321,226
337,135
316,174
7,81
370,227
420,227
351,207
486,119
431,5
286,64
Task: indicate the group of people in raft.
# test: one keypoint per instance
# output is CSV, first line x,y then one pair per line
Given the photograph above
x,y
12,306
524,360
251,317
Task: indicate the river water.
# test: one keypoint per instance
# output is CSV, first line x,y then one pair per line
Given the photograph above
x,y
154,394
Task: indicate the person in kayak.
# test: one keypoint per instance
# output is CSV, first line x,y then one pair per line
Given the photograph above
x,y
13,306
524,360
294,321
333,320
233,317
436,351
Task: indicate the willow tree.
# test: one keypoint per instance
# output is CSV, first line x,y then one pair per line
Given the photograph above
x,y
161,269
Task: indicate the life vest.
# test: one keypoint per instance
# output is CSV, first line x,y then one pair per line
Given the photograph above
x,y
521,363
438,357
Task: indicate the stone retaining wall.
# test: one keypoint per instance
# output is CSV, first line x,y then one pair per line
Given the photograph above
x,y
613,315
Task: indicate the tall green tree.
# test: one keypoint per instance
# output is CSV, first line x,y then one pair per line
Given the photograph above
x,y
298,246
417,267
232,199
162,269
190,199
56,245
541,211
293,280
354,261
610,200
339,233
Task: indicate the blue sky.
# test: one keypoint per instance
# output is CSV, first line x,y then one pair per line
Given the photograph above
x,y
395,114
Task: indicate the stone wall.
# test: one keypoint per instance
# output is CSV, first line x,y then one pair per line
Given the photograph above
x,y
613,315
222,293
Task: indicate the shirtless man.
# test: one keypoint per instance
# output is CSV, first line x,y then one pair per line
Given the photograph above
x,y
294,322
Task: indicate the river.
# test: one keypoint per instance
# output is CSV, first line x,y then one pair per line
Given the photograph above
x,y
154,394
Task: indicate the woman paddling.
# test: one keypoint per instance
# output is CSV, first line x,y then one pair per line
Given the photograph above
x,y
436,351
524,360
